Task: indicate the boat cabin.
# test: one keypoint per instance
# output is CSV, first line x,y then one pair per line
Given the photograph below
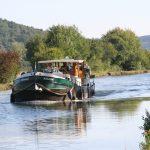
x,y
54,80
73,69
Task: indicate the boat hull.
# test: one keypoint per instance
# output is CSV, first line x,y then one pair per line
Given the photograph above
x,y
34,95
40,88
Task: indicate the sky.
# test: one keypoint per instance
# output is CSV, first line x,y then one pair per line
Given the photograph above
x,y
93,18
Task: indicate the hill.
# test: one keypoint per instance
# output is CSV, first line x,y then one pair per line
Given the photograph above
x,y
12,32
145,41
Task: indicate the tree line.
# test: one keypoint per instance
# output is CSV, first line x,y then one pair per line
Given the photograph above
x,y
117,50
12,33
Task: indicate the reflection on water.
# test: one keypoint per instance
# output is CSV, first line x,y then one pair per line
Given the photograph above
x,y
72,122
121,108
110,122
75,126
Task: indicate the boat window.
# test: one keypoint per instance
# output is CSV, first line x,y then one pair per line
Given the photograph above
x,y
64,68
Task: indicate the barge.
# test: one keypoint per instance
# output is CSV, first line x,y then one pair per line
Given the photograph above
x,y
54,81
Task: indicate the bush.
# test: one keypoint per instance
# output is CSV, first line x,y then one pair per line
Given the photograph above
x,y
9,66
146,127
146,119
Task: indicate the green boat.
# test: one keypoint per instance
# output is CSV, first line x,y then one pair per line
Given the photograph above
x,y
52,81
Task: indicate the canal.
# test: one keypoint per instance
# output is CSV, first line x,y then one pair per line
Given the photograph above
x,y
111,121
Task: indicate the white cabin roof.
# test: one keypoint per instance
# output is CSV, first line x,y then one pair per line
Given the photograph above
x,y
61,61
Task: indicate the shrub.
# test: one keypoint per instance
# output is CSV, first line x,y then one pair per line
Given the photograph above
x,y
146,127
9,66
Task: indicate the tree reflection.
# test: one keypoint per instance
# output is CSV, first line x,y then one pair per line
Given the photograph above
x,y
121,108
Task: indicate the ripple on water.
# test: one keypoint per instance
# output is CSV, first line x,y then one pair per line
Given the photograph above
x,y
104,124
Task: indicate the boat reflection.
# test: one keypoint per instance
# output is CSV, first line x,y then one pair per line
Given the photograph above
x,y
72,120
69,120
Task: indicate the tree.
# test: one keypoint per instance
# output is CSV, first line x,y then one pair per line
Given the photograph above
x,y
68,39
35,46
9,66
127,46
20,49
94,57
61,41
49,53
38,50
11,32
117,50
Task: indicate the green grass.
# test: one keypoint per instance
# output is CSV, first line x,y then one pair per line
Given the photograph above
x,y
119,73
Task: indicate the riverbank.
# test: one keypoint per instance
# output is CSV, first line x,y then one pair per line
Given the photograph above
x,y
119,73
5,86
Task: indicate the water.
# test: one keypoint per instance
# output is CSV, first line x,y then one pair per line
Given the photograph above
x,y
110,122
123,87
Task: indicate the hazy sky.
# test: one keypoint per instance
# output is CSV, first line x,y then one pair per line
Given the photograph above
x,y
92,17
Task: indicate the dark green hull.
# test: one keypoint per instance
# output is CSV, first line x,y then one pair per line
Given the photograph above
x,y
40,88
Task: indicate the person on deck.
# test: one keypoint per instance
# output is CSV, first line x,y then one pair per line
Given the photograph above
x,y
49,67
64,68
81,74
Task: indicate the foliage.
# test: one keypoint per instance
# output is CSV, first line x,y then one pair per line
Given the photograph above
x,y
20,49
125,48
38,50
117,50
34,46
11,32
68,39
146,127
145,58
14,36
49,53
9,66
145,41
94,57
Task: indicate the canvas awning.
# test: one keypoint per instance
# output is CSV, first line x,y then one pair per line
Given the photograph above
x,y
61,61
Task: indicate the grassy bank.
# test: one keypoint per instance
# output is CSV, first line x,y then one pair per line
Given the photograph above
x,y
7,86
4,87
119,73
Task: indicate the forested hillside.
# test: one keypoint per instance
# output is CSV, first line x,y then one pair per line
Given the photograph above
x,y
145,41
11,32
118,49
